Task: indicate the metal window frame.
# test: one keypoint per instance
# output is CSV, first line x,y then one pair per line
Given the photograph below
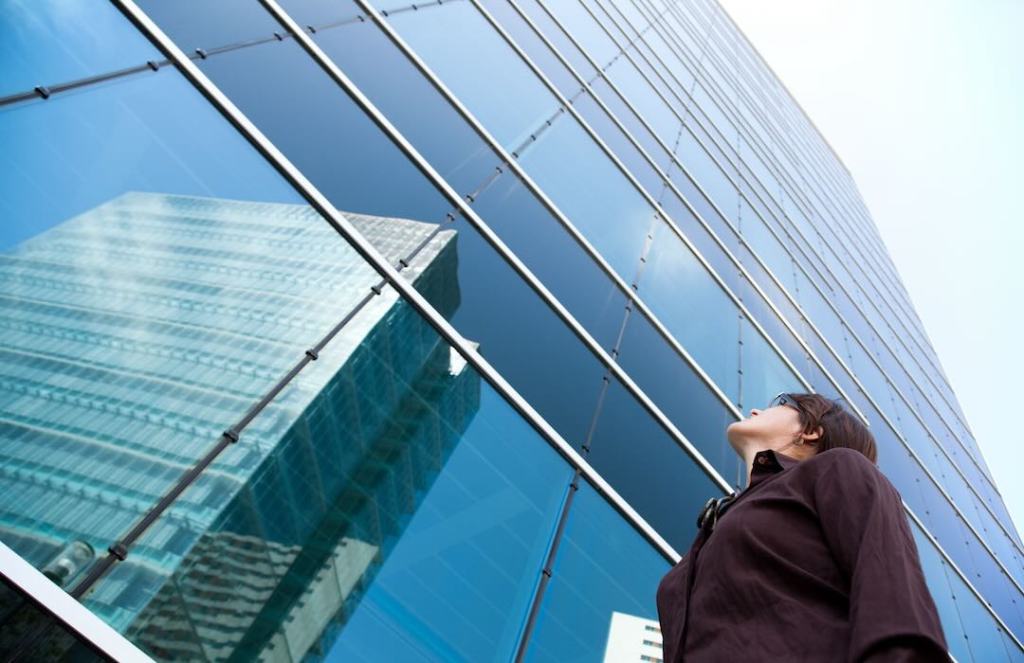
x,y
939,414
437,180
818,190
746,180
796,192
899,436
74,616
377,261
716,98
933,438
537,191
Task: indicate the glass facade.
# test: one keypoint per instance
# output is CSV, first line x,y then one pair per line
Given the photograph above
x,y
372,330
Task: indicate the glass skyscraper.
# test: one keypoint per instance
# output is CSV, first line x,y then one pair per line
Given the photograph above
x,y
378,331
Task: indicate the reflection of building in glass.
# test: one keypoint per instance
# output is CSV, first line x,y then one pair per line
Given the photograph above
x,y
115,320
632,638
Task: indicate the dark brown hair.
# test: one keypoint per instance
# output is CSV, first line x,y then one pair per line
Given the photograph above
x,y
839,427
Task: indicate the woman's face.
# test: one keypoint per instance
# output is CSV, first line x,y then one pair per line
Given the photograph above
x,y
771,428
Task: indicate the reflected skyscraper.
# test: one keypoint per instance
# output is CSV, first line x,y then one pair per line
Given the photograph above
x,y
303,514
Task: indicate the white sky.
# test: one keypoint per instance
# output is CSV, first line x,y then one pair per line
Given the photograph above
x,y
924,102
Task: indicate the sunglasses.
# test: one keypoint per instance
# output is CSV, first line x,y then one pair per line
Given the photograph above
x,y
785,399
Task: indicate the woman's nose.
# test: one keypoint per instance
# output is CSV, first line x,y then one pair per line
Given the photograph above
x,y
754,411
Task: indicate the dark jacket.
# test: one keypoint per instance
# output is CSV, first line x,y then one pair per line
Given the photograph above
x,y
813,561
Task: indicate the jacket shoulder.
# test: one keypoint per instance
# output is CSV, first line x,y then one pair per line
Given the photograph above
x,y
854,466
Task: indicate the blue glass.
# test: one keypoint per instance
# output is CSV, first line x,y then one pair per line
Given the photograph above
x,y
32,634
651,471
590,190
693,307
554,32
543,57
46,42
553,255
154,290
709,175
196,24
575,18
389,79
654,110
678,391
935,570
719,123
620,144
409,528
762,372
984,636
93,145
340,148
605,573
511,104
659,151
766,245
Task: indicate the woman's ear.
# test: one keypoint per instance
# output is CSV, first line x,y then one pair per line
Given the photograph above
x,y
809,437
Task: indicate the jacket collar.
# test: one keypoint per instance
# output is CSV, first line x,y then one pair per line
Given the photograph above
x,y
767,463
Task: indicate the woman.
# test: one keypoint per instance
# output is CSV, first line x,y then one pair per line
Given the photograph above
x,y
813,561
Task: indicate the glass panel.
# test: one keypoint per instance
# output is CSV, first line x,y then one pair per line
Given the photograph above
x,y
762,372
683,396
648,468
154,289
693,307
554,32
984,636
601,590
224,23
652,108
935,569
576,19
587,187
709,176
527,39
380,70
555,151
483,72
28,633
47,42
620,144
390,505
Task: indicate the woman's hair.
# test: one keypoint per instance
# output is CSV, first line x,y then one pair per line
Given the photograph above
x,y
839,427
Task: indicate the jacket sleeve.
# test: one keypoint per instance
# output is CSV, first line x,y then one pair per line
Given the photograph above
x,y
892,614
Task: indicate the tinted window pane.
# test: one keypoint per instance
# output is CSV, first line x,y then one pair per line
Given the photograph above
x,y
678,391
162,282
398,509
384,74
589,189
984,636
693,307
763,372
935,571
483,72
648,468
555,150
222,24
603,583
35,635
47,42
